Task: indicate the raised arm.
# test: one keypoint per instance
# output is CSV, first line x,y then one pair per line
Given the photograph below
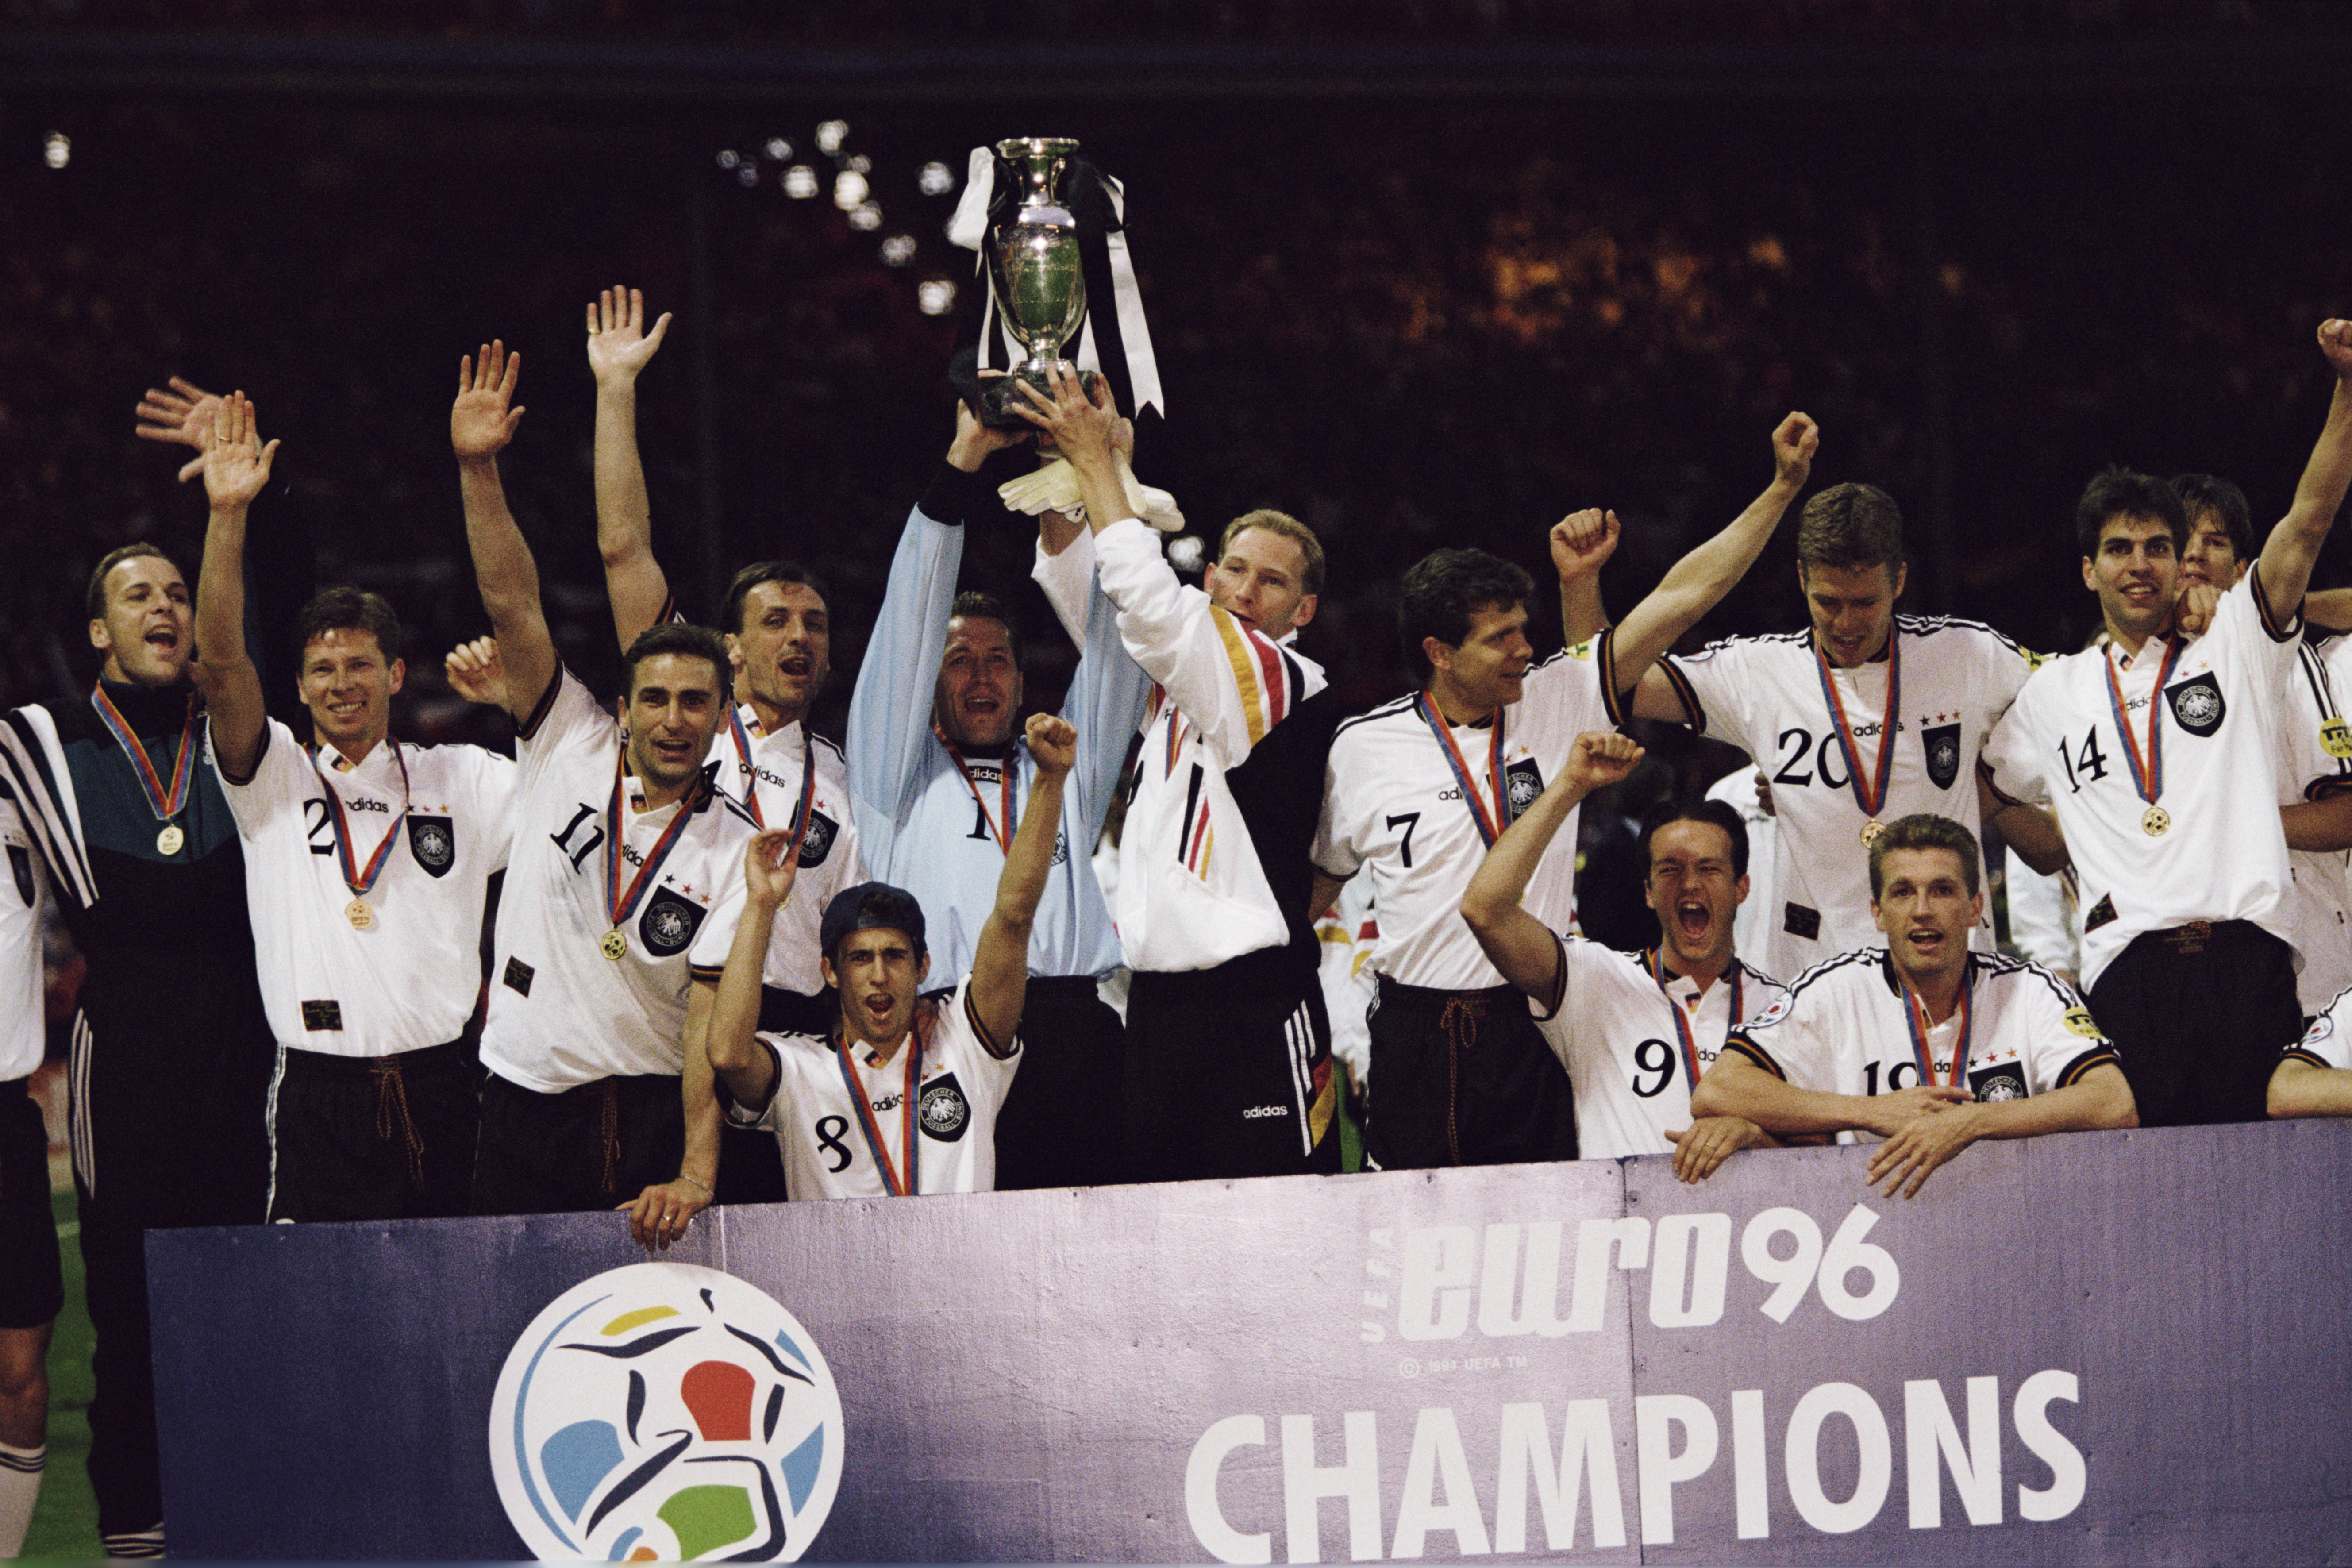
x,y
236,468
481,423
618,348
1519,945
1699,581
1000,957
728,1049
2293,545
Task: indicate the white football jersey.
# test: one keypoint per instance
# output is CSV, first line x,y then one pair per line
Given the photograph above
x,y
1632,1066
1394,807
562,1013
762,773
410,979
2316,762
2327,1043
2222,856
1846,1028
1764,695
21,893
830,1144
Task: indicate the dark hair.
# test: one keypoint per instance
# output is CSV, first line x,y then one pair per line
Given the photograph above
x,y
2119,491
677,637
1714,812
739,588
1310,548
347,610
114,558
1923,830
1848,526
976,603
869,906
1443,589
2210,493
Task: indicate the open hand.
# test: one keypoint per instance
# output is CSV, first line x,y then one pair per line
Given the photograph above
x,y
182,415
480,423
1701,1148
618,344
236,463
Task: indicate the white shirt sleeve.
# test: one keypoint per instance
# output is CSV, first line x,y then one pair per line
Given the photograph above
x,y
282,779
1718,679
1229,681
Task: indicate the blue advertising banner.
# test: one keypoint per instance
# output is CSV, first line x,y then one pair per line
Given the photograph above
x,y
2093,1348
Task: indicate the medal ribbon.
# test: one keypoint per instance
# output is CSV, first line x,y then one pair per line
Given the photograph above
x,y
622,903
1914,1013
1681,1019
1003,826
894,1182
360,878
2147,771
751,783
1489,828
1871,797
166,803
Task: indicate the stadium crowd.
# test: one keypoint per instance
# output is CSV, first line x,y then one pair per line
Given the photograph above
x,y
1186,926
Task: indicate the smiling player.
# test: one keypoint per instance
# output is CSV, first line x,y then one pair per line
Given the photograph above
x,y
625,876
1923,1042
1635,1032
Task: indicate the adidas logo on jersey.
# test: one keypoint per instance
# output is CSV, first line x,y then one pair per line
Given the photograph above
x,y
1260,1112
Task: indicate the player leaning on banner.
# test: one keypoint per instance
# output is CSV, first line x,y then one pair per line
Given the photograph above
x,y
1923,1043
779,629
1600,1011
1228,1039
1863,718
1418,789
368,863
625,878
899,1097
2160,755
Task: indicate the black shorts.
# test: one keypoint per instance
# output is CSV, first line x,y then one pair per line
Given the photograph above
x,y
1060,1126
594,1147
1464,1078
356,1138
32,1282
1230,1072
2198,1015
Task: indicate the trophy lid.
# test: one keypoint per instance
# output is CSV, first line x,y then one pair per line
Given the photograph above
x,y
1024,148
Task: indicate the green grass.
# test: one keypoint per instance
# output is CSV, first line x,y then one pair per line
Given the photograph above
x,y
65,1523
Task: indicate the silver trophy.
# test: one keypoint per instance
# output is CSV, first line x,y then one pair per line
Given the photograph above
x,y
1034,271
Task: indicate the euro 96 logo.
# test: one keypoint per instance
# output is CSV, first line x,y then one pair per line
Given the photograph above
x,y
665,1412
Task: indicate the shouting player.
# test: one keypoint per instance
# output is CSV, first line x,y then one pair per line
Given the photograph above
x,y
1601,1010
912,1083
1923,1042
1419,789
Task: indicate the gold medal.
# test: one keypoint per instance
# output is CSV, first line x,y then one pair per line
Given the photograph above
x,y
2155,821
616,945
360,914
1870,832
170,839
